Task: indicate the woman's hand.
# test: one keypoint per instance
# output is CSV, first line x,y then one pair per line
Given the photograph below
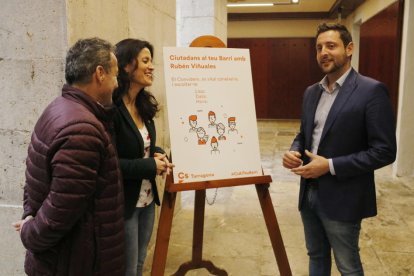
x,y
163,164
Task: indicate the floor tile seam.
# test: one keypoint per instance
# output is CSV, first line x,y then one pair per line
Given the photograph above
x,y
394,251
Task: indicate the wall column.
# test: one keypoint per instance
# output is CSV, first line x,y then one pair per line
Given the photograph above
x,y
404,165
201,17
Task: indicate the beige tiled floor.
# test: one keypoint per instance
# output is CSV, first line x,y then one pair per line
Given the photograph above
x,y
235,235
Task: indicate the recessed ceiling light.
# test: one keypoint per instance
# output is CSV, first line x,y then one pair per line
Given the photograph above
x,y
277,2
251,5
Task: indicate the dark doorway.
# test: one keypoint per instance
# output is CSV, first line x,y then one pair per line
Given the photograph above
x,y
282,68
380,48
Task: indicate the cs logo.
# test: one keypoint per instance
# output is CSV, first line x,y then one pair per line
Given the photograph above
x,y
182,176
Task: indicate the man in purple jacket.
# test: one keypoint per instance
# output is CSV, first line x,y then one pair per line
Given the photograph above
x,y
73,198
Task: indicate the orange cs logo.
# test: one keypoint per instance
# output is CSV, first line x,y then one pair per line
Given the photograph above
x,y
182,175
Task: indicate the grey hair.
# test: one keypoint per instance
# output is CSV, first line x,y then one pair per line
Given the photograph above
x,y
83,58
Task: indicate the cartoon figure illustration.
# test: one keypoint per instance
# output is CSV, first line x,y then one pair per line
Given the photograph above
x,y
232,125
221,129
202,137
192,120
212,119
214,145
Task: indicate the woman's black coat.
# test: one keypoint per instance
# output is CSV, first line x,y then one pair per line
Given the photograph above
x,y
130,147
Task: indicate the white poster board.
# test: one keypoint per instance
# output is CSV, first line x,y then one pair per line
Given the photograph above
x,y
211,114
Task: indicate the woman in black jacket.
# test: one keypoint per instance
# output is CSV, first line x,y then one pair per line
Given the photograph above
x,y
140,159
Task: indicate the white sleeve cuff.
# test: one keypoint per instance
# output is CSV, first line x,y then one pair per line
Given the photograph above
x,y
331,167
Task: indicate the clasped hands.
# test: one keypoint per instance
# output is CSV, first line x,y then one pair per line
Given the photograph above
x,y
163,164
318,165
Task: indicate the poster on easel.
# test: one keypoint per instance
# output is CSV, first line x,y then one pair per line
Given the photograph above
x,y
211,114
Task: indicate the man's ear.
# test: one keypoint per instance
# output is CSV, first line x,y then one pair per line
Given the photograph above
x,y
100,73
349,49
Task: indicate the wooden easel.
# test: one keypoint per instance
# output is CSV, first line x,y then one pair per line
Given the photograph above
x,y
262,184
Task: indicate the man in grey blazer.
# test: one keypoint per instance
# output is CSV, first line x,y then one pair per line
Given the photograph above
x,y
347,132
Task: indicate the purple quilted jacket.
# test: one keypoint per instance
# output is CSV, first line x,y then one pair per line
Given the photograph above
x,y
74,192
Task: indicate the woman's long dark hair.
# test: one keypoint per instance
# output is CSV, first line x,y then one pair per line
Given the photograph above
x,y
126,52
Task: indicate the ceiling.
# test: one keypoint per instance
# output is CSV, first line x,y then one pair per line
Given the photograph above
x,y
282,9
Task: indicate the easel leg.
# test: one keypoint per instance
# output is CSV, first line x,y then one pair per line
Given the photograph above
x,y
198,226
273,229
198,234
163,234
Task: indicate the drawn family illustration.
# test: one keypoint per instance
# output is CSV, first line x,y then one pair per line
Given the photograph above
x,y
216,130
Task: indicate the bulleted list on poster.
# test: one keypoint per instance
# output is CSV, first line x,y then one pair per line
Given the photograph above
x,y
211,114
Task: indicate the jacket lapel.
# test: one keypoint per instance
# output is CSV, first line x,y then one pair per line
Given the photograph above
x,y
312,105
151,132
348,87
131,123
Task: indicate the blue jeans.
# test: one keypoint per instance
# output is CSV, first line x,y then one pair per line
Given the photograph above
x,y
322,234
138,230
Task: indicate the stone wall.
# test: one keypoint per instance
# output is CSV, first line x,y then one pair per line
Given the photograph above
x,y
32,50
34,38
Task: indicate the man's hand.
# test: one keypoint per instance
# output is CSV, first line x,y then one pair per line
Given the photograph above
x,y
318,166
291,159
19,224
